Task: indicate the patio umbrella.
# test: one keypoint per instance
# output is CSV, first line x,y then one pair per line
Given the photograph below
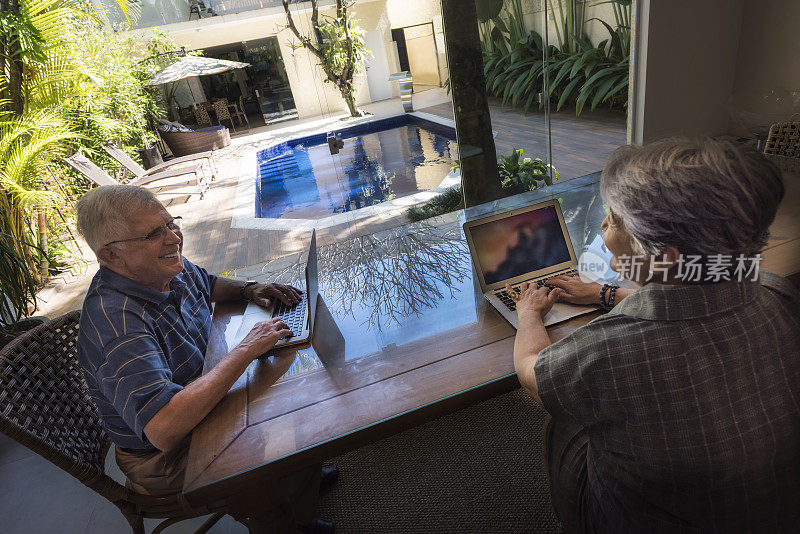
x,y
189,66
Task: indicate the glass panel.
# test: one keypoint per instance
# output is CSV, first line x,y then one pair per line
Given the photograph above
x,y
514,47
589,93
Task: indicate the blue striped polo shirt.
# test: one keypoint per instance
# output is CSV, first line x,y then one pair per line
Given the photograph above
x,y
139,347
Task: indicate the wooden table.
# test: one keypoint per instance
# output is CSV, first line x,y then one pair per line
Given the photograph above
x,y
405,359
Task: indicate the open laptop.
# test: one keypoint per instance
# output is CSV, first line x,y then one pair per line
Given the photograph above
x,y
299,318
527,244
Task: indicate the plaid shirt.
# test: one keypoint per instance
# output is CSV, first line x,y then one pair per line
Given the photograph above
x,y
690,397
139,347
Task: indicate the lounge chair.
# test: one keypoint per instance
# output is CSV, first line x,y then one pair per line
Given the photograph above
x,y
125,160
81,163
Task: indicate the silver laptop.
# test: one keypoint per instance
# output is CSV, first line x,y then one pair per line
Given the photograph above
x,y
523,245
299,318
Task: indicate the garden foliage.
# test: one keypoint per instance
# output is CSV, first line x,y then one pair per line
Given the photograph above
x,y
66,82
515,59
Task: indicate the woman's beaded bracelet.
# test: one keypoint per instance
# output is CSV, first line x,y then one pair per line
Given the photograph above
x,y
612,296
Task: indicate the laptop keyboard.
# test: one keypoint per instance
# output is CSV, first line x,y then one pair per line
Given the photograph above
x,y
506,299
293,316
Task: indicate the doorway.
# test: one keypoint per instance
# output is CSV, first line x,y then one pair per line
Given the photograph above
x,y
262,89
418,54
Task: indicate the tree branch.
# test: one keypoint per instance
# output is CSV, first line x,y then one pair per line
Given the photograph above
x,y
315,22
305,41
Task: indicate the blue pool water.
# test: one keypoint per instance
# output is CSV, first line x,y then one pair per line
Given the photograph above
x,y
382,160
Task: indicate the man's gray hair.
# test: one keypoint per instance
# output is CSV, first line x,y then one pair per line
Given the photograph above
x,y
104,212
702,197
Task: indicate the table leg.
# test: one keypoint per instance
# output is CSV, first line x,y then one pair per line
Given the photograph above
x,y
263,512
279,506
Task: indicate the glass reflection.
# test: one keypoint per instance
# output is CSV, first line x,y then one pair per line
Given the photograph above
x,y
416,281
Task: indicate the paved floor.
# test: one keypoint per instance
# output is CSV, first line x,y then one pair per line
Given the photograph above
x,y
580,145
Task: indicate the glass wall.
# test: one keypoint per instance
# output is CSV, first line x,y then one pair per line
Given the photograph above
x,y
161,12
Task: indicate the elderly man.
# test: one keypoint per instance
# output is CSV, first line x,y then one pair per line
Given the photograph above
x,y
143,334
677,411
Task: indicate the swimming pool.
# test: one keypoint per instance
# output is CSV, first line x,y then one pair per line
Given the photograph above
x,y
381,161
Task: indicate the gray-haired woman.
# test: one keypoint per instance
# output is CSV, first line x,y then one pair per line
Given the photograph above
x,y
679,410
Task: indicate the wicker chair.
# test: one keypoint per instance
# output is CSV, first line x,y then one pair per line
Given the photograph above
x,y
44,405
221,109
240,113
201,115
783,145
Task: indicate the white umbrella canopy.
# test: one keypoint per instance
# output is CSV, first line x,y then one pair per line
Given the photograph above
x,y
189,66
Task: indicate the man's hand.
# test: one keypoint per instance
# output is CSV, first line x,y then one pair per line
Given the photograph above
x,y
575,290
533,301
172,423
262,294
263,337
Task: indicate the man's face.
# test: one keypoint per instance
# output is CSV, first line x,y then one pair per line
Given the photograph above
x,y
151,262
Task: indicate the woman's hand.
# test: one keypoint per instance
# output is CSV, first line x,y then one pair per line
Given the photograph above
x,y
575,290
262,294
263,336
533,301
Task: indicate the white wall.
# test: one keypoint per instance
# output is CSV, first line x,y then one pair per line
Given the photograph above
x,y
768,65
312,97
687,56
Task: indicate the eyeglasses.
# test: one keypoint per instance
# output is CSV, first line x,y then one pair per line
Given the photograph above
x,y
155,234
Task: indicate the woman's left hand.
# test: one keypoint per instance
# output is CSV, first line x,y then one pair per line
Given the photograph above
x,y
533,300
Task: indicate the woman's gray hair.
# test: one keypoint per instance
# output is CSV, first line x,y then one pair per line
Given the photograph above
x,y
702,197
104,212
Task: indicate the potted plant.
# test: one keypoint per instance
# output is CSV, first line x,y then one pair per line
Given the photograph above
x,y
518,174
150,154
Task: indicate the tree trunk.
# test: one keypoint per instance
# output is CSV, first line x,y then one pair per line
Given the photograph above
x,y
351,103
12,65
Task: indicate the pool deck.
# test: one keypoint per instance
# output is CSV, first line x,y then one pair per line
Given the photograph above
x,y
213,240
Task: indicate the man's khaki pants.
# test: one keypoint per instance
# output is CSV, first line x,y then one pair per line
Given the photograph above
x,y
162,472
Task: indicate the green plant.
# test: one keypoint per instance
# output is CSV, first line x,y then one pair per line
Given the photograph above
x,y
449,200
570,24
580,73
338,44
42,73
594,74
520,174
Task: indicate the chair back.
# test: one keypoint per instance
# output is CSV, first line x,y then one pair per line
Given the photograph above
x,y
125,160
81,163
201,115
45,405
784,140
221,109
783,146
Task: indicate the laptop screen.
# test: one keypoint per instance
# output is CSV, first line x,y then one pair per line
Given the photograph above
x,y
519,244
